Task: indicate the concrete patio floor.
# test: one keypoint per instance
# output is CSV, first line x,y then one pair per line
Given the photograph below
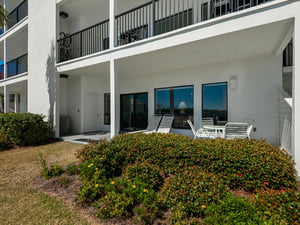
x,y
86,137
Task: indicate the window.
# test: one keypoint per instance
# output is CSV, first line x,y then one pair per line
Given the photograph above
x,y
215,102
173,22
11,103
178,101
134,112
14,103
107,109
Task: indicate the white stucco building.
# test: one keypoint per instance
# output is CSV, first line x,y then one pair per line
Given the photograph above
x,y
110,65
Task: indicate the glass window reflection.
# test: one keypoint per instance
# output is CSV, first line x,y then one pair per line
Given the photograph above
x,y
178,101
214,102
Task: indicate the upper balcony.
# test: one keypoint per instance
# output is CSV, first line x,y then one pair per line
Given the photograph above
x,y
18,10
135,20
17,14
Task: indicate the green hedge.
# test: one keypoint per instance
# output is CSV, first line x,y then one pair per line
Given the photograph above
x,y
232,211
193,191
243,164
4,144
24,128
280,207
143,175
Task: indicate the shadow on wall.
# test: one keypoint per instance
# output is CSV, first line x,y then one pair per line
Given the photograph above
x,y
51,83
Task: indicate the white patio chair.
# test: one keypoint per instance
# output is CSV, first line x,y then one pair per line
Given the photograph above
x,y
152,125
236,130
154,122
249,130
165,124
207,121
213,133
250,126
201,133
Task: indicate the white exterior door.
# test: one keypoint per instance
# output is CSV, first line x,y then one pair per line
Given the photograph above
x,y
91,112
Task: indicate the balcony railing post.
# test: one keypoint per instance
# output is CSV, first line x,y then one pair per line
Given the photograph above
x,y
153,17
80,44
17,19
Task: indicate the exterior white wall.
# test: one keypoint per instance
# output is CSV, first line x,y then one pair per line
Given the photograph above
x,y
93,86
72,100
41,58
82,16
254,100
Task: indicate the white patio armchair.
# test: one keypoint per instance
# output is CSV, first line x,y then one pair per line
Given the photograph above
x,y
237,130
201,133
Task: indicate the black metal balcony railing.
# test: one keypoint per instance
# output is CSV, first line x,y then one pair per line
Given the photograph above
x,y
288,55
17,66
152,18
20,12
88,41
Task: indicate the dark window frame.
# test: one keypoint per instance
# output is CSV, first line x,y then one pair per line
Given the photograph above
x,y
121,107
202,97
175,114
107,110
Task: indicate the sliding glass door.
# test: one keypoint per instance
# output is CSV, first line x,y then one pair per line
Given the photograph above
x,y
134,112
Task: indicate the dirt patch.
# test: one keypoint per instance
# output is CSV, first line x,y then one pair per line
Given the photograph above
x,y
66,187
242,194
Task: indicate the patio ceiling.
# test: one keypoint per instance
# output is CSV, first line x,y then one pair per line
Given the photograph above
x,y
250,43
245,44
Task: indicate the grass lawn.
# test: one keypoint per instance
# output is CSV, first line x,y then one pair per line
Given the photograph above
x,y
19,203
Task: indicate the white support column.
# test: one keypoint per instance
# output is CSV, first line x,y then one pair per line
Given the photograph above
x,y
112,25
6,97
114,100
296,94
